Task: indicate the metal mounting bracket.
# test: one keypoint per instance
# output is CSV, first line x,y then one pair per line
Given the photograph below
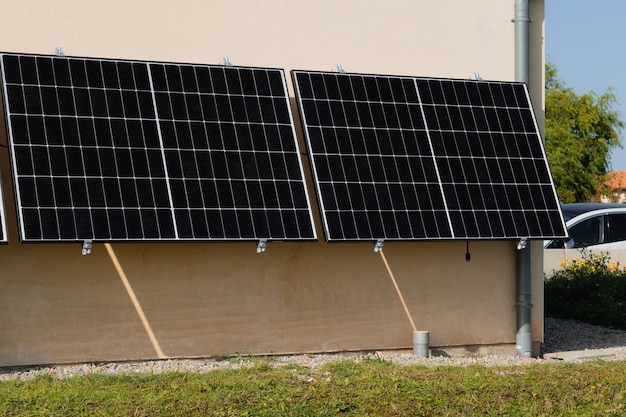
x,y
261,246
379,245
339,68
87,246
522,243
476,77
58,51
226,62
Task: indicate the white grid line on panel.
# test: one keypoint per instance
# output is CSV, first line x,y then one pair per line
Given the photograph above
x,y
160,135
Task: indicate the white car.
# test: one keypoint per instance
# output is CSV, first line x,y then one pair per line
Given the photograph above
x,y
599,227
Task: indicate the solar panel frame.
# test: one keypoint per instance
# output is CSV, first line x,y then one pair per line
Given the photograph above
x,y
128,141
4,237
432,146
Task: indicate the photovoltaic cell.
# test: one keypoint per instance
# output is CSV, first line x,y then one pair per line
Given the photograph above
x,y
128,150
406,158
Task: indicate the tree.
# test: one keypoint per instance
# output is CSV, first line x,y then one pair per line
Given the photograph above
x,y
581,131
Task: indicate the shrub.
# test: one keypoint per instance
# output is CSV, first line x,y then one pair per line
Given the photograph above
x,y
590,288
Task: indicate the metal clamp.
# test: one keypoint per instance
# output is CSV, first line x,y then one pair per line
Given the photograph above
x,y
261,246
58,51
379,245
226,62
339,68
522,243
521,19
87,246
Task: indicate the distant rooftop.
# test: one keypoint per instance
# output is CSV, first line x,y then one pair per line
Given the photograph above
x,y
616,180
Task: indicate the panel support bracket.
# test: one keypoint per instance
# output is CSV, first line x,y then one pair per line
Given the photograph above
x,y
58,51
261,246
339,68
87,246
522,243
379,245
476,77
226,62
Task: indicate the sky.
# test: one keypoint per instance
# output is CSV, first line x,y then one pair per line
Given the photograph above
x,y
586,40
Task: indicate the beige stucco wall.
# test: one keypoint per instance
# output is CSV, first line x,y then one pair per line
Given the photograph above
x,y
441,38
209,299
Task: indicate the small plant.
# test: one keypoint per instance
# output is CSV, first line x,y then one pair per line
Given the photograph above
x,y
590,288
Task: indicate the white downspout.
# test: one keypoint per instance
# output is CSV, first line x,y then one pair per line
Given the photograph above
x,y
524,338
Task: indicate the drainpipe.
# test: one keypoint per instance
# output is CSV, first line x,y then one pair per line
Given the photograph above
x,y
522,21
524,338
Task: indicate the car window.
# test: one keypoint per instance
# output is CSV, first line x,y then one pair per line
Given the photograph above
x,y
556,244
615,228
588,232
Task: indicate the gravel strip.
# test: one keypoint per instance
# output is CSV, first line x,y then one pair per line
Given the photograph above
x,y
560,336
567,335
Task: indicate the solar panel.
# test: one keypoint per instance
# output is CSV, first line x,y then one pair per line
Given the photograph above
x,y
129,150
3,224
406,158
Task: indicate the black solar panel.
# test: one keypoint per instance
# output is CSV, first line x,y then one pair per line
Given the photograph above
x,y
128,150
3,223
418,158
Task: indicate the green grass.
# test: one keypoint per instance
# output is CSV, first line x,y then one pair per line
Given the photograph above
x,y
343,388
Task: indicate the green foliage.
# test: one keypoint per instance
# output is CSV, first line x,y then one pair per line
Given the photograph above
x,y
591,289
369,388
581,131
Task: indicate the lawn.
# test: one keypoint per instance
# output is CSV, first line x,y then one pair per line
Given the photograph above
x,y
374,387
